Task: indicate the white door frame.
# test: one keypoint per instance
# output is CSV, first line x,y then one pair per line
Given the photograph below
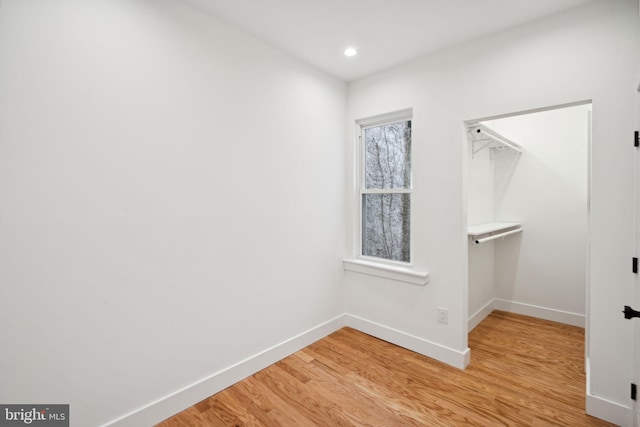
x,y
636,301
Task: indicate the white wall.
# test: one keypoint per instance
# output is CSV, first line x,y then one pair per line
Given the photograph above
x,y
585,54
481,187
482,281
172,201
481,210
546,190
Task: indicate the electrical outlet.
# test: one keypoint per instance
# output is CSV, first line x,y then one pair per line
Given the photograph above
x,y
443,315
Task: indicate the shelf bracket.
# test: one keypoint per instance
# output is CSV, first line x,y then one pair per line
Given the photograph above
x,y
481,134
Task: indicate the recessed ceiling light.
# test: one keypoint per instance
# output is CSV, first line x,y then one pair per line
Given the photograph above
x,y
350,51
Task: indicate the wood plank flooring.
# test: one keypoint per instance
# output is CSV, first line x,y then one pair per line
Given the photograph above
x,y
523,372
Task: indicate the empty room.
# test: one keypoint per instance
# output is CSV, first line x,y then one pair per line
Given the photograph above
x,y
289,212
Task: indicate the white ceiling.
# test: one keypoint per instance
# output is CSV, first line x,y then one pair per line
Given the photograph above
x,y
385,32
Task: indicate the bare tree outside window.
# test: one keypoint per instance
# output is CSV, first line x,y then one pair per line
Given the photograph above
x,y
386,198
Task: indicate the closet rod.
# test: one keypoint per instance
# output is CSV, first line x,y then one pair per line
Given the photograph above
x,y
497,236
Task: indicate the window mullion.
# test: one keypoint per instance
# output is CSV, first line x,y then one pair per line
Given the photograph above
x,y
386,191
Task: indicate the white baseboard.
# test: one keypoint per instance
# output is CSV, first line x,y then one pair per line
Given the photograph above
x,y
458,359
560,316
479,315
605,409
609,411
179,400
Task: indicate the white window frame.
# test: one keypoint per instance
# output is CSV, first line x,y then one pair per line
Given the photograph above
x,y
385,119
381,267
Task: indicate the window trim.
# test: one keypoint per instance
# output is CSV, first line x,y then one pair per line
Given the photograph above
x,y
372,267
361,125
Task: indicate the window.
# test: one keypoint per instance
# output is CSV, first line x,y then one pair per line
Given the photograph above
x,y
385,187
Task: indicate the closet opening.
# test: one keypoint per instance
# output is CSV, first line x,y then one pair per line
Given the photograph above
x,y
527,214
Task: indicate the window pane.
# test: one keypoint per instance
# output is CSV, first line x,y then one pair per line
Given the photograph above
x,y
385,226
388,156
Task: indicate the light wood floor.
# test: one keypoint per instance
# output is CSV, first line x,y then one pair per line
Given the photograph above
x,y
523,372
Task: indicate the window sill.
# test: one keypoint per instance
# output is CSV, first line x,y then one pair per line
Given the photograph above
x,y
393,272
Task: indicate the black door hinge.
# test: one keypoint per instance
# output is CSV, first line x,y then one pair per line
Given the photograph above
x,y
630,313
636,139
634,391
635,265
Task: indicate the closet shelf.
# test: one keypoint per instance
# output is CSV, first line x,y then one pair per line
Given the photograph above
x,y
493,230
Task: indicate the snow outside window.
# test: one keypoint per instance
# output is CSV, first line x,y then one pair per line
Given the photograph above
x,y
385,189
